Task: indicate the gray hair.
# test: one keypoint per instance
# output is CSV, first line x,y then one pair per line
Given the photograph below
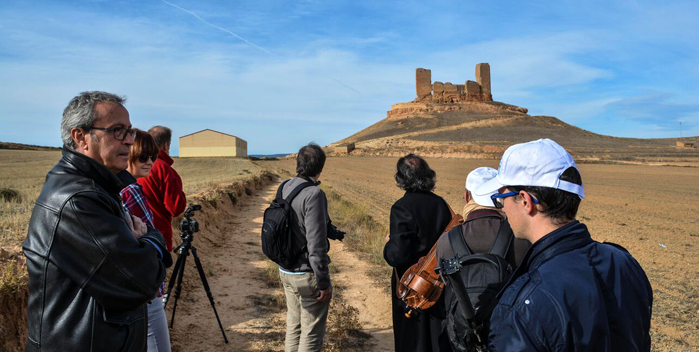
x,y
80,112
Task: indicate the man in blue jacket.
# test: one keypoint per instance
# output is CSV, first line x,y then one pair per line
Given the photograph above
x,y
570,293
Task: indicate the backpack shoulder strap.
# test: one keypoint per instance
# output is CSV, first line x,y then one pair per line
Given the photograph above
x,y
457,242
502,240
281,187
297,190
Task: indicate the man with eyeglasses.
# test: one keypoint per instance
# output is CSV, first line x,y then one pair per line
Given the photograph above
x,y
91,266
163,186
570,293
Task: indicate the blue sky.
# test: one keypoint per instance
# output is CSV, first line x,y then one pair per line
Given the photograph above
x,y
282,73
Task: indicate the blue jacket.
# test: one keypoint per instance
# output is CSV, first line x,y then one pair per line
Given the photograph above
x,y
574,294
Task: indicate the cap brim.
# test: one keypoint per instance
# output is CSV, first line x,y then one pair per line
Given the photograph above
x,y
483,200
488,188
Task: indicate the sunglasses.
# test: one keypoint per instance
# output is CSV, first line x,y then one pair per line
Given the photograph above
x,y
144,158
499,199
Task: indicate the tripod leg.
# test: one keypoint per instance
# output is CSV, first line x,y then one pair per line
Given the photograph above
x,y
208,291
178,287
173,278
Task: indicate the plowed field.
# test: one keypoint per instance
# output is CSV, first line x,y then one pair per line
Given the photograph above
x,y
653,211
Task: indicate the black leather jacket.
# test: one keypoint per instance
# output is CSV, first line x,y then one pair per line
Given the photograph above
x,y
89,278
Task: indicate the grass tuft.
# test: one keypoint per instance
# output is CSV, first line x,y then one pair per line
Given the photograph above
x,y
12,279
364,234
10,195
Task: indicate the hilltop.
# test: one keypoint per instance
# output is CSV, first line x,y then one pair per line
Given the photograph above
x,y
462,121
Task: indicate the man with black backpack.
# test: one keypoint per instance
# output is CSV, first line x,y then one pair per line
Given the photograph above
x,y
295,236
571,293
483,253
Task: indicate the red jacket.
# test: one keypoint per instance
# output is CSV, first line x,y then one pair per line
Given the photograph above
x,y
163,190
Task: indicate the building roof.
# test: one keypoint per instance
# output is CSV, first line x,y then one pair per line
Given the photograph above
x,y
208,129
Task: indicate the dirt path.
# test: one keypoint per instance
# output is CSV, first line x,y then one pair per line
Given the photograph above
x,y
361,292
229,247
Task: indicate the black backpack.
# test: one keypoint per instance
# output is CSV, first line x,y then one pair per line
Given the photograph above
x,y
473,281
278,242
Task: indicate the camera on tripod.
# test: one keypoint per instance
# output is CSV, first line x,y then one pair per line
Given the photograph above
x,y
188,225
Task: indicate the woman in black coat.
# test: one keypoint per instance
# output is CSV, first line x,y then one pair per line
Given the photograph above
x,y
417,221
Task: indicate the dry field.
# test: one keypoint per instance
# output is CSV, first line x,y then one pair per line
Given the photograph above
x,y
650,210
233,194
24,171
22,174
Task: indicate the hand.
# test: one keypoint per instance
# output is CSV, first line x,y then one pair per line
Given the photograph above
x,y
325,295
138,228
388,237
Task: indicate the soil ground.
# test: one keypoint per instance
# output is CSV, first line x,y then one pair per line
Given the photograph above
x,y
229,247
650,210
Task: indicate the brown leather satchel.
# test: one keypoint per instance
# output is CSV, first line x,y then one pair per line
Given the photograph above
x,y
420,287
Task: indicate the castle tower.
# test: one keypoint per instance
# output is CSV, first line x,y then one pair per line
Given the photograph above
x,y
423,83
483,78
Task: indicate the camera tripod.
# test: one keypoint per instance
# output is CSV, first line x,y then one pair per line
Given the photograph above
x,y
188,227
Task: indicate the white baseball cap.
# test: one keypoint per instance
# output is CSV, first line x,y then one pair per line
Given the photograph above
x,y
537,163
478,177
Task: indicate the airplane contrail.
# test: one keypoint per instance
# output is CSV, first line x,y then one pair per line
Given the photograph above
x,y
246,41
343,84
219,28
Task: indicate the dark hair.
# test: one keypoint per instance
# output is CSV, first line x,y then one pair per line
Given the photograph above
x,y
310,160
143,144
559,205
161,134
414,175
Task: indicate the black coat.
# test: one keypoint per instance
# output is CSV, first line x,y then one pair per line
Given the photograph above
x,y
89,278
417,221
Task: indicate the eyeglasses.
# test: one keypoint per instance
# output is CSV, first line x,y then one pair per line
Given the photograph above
x,y
499,199
143,158
119,132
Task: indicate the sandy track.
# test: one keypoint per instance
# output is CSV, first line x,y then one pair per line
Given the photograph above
x,y
229,247
361,292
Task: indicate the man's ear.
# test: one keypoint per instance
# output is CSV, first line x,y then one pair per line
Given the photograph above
x,y
529,206
80,138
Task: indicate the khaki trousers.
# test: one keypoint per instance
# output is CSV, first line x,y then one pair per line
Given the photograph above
x,y
305,316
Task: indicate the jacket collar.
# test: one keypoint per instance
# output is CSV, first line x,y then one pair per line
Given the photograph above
x,y
162,155
561,240
482,212
309,179
93,170
126,178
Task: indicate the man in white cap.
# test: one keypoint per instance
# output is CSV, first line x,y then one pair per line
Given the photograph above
x,y
481,220
570,293
485,230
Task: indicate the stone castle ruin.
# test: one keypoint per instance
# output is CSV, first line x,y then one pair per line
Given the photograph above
x,y
439,92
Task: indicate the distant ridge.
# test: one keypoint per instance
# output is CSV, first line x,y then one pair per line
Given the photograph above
x,y
20,146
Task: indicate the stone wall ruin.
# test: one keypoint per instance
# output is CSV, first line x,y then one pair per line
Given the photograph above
x,y
439,92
